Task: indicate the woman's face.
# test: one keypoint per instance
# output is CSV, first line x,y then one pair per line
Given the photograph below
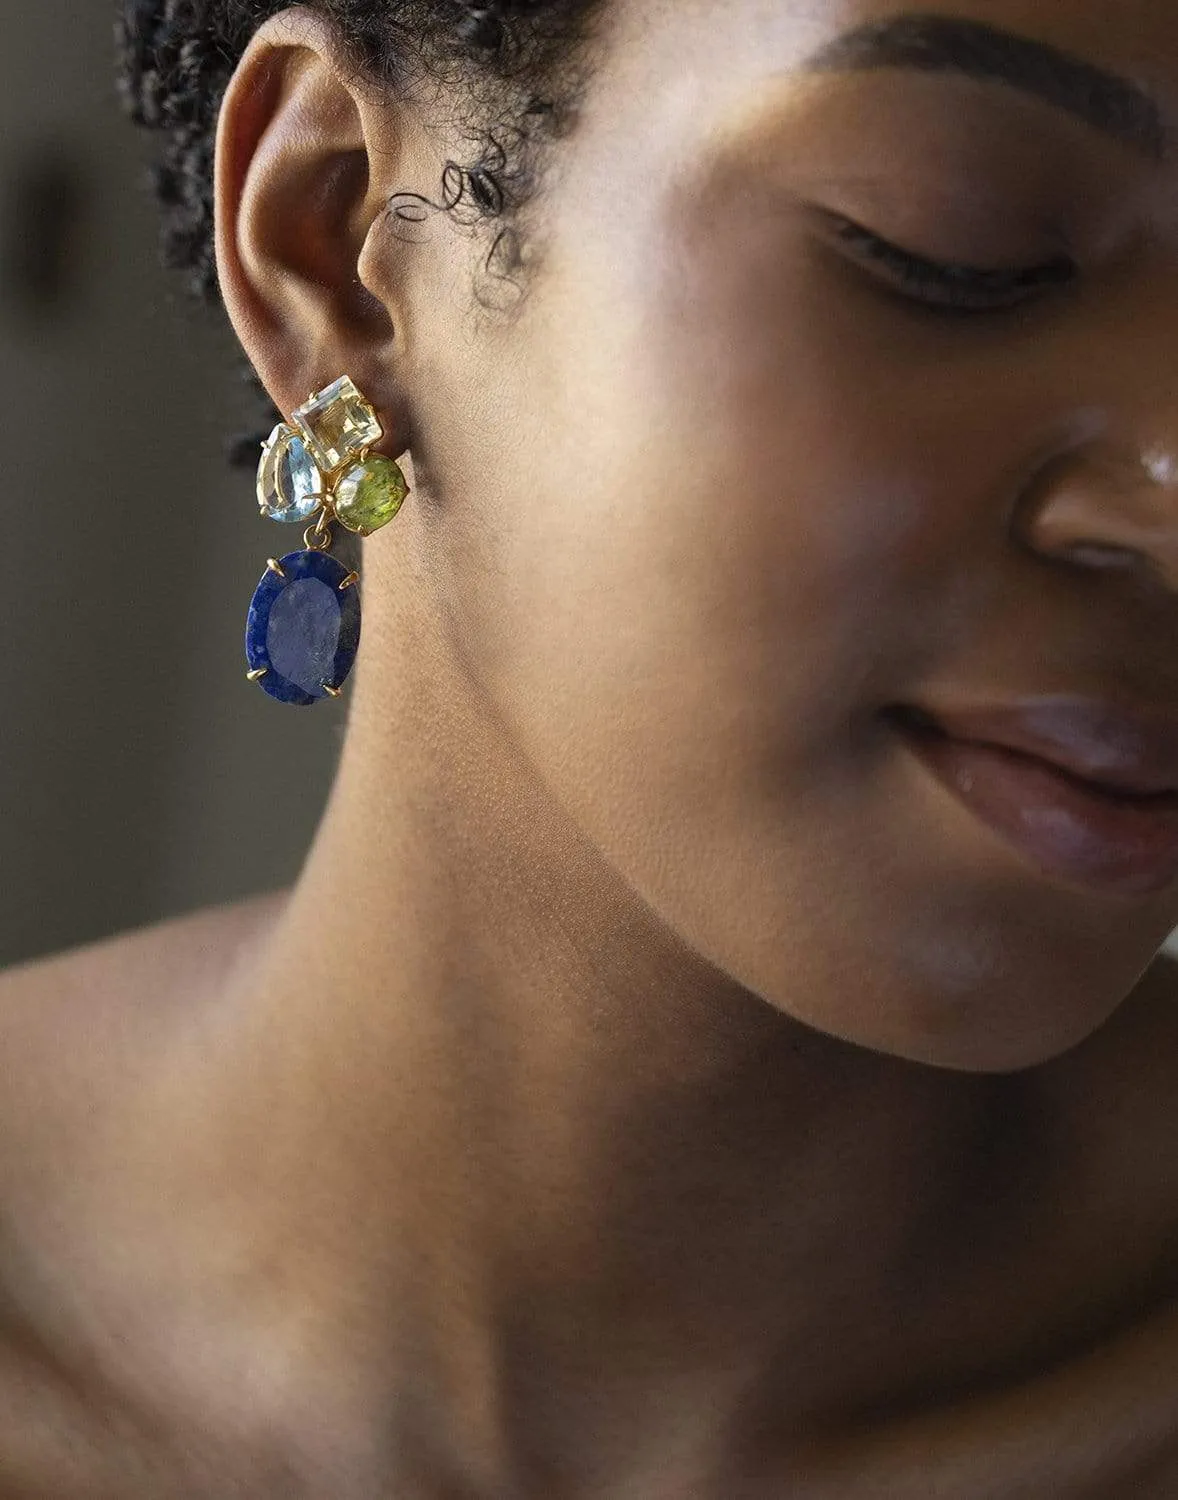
x,y
738,480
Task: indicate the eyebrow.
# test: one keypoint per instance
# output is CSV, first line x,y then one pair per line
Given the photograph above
x,y
945,44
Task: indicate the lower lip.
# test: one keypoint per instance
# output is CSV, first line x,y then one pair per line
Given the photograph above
x,y
1106,844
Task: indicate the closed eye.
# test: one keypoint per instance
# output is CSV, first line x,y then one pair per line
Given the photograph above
x,y
949,288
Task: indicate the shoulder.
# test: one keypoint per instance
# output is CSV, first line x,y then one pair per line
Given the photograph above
x,y
84,1165
197,941
78,1028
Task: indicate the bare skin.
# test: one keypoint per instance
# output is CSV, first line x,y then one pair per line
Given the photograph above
x,y
656,1085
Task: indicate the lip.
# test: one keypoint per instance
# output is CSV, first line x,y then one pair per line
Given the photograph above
x,y
1084,792
1123,749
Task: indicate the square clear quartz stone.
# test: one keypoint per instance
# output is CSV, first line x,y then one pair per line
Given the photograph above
x,y
337,424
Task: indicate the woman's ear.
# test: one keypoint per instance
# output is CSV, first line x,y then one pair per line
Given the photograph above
x,y
304,163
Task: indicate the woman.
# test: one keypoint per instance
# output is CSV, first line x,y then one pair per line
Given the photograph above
x,y
718,1045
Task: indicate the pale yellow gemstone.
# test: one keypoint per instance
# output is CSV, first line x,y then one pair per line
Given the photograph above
x,y
337,424
369,495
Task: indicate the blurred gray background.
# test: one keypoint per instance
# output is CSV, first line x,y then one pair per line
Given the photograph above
x,y
140,775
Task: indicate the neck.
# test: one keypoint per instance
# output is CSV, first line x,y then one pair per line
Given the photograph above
x,y
600,1199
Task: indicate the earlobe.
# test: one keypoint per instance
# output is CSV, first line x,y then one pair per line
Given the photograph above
x,y
295,204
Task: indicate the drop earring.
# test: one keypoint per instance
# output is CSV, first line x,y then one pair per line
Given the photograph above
x,y
303,627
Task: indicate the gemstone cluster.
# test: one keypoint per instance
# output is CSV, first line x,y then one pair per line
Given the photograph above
x,y
303,627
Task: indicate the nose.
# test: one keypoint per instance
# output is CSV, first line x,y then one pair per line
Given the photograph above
x,y
1103,510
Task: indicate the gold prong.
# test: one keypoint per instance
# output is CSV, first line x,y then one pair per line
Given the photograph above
x,y
275,567
349,581
257,674
333,692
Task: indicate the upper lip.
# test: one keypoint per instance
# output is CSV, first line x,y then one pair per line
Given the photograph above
x,y
1120,749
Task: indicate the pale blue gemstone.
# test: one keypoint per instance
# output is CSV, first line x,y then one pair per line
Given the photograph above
x,y
290,486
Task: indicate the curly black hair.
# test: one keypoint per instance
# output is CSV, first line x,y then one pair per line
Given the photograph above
x,y
518,69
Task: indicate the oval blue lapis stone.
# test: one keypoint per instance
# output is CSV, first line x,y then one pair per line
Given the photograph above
x,y
303,630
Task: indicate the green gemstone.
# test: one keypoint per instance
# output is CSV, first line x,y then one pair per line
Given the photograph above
x,y
369,495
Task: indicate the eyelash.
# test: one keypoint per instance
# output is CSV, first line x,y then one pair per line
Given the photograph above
x,y
956,289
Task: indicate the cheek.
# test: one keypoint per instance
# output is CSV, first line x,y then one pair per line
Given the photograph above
x,y
726,517
868,461
698,580
726,526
